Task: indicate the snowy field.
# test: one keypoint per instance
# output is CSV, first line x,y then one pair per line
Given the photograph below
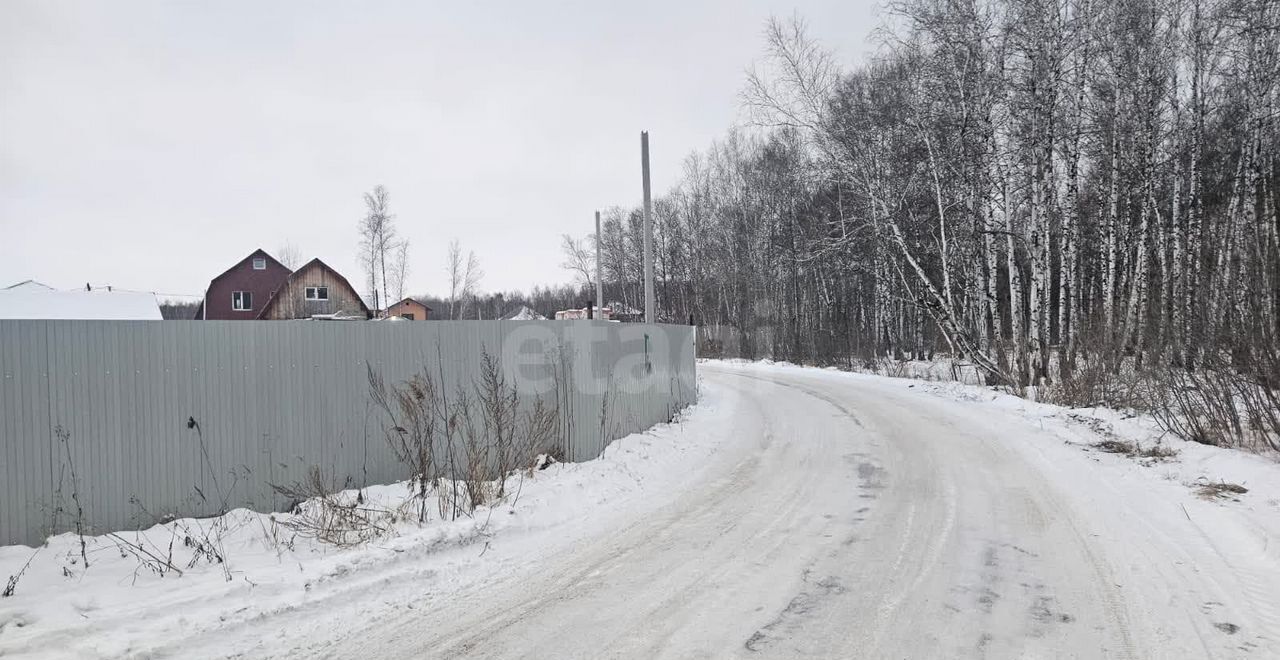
x,y
792,512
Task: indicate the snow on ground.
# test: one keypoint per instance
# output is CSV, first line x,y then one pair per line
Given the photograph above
x,y
1182,572
1193,465
524,314
119,607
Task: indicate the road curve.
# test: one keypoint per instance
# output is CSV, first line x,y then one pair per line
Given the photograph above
x,y
848,519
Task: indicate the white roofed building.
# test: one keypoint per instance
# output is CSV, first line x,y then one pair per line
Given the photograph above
x,y
28,285
600,314
36,301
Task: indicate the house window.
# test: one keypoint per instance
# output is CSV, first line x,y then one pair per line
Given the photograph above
x,y
317,293
259,263
242,301
408,317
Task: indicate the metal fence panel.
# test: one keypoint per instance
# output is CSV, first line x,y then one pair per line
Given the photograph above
x,y
191,418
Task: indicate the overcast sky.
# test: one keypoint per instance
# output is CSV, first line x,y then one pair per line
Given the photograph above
x,y
151,145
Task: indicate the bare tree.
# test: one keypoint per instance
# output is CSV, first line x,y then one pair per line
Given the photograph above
x,y
579,258
453,266
464,279
289,255
378,243
400,270
471,278
370,229
1095,179
794,94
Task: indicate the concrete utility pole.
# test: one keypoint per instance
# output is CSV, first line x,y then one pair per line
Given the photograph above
x,y
648,230
599,280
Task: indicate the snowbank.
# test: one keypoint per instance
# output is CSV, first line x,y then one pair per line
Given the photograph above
x,y
244,565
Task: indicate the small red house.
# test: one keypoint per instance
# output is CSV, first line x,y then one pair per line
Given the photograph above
x,y
409,309
241,292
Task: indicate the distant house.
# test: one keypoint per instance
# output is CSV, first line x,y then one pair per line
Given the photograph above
x,y
612,312
409,309
41,302
259,287
240,293
601,314
28,285
625,313
314,290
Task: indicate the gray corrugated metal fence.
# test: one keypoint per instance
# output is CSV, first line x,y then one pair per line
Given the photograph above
x,y
178,418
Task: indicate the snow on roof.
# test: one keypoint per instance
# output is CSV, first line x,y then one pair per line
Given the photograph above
x,y
35,303
339,316
28,285
524,314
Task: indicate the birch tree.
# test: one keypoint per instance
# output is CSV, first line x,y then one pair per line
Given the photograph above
x,y
1094,180
379,245
465,275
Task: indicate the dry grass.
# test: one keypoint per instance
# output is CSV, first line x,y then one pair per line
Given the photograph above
x,y
459,446
1151,454
324,513
1115,447
1219,490
1156,452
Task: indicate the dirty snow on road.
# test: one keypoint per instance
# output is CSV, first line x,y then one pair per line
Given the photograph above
x,y
794,513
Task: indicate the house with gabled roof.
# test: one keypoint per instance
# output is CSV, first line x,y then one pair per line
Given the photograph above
x,y
28,285
409,309
314,290
240,291
259,287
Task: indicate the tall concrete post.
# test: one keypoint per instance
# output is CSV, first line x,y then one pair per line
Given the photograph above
x,y
599,280
648,230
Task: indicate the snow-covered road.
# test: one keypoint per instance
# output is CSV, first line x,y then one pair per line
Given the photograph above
x,y
855,517
796,513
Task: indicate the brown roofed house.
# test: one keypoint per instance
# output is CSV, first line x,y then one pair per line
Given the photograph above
x,y
314,290
241,291
409,309
259,287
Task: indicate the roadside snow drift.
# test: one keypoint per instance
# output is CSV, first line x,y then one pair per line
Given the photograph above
x,y
133,600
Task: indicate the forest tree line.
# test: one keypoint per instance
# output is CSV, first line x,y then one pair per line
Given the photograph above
x,y
1043,189
1008,180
